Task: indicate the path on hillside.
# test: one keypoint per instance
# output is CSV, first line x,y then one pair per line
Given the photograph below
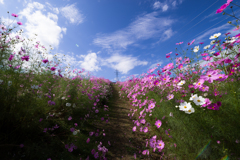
x,y
119,130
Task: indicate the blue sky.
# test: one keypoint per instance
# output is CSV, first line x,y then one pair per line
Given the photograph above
x,y
131,36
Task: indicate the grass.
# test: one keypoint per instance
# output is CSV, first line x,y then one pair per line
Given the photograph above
x,y
22,110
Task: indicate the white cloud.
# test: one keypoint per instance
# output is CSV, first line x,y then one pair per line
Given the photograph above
x,y
122,63
90,62
145,27
157,5
64,30
54,17
55,10
72,14
174,3
1,2
165,7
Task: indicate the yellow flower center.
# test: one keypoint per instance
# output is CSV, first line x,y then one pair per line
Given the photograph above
x,y
203,88
212,107
209,75
160,144
185,107
199,83
164,78
189,110
198,100
220,77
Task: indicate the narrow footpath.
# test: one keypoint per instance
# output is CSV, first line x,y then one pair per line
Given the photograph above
x,y
119,131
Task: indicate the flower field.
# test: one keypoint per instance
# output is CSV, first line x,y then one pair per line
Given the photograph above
x,y
193,115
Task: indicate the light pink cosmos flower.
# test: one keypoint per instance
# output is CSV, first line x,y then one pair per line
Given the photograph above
x,y
199,83
160,144
158,123
151,106
170,96
134,128
210,76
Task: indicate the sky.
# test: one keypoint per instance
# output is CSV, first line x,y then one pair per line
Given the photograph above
x,y
130,36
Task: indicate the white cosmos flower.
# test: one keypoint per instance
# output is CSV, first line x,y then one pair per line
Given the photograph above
x,y
74,105
206,47
215,36
74,133
34,86
9,83
68,104
199,100
185,106
212,42
181,83
191,110
193,97
196,49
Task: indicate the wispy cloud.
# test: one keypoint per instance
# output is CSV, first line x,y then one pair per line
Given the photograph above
x,y
145,27
72,14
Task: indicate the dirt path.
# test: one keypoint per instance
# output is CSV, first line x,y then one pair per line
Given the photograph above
x,y
119,130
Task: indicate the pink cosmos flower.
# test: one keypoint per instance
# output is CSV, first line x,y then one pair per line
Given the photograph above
x,y
204,54
143,121
208,58
88,140
19,23
222,8
91,133
21,145
145,129
11,57
145,152
227,60
180,66
45,61
216,54
25,58
160,144
134,128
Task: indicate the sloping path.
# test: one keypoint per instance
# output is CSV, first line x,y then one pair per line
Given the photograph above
x,y
119,130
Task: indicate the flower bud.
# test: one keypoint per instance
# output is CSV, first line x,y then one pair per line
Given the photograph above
x,y
229,22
